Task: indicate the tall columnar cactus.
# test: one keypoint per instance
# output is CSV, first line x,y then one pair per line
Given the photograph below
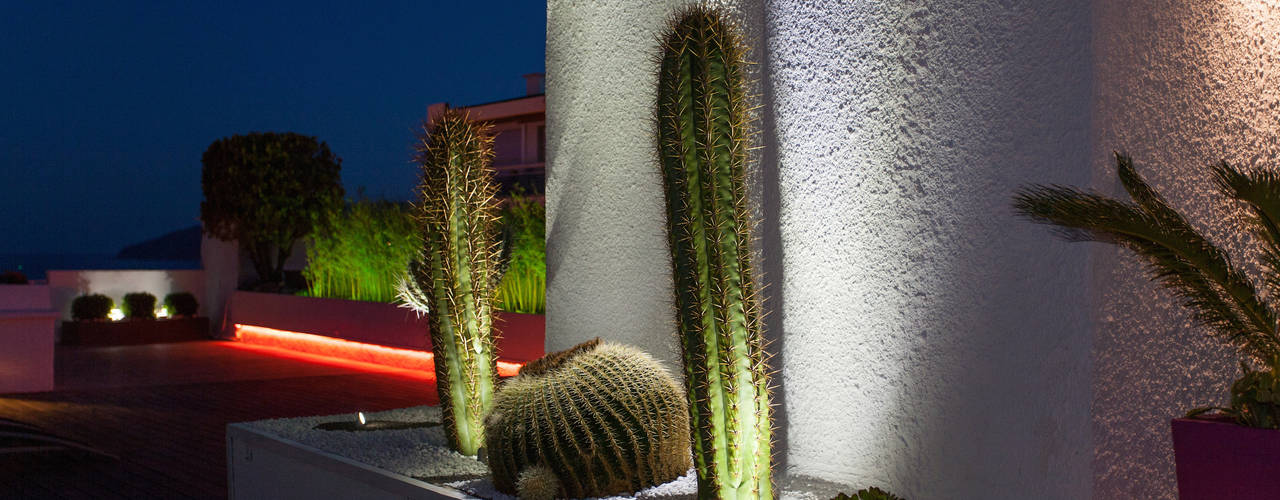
x,y
703,122
596,420
455,276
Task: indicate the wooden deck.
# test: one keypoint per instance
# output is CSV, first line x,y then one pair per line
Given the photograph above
x,y
163,410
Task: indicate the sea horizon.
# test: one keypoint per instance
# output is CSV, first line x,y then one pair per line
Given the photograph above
x,y
35,266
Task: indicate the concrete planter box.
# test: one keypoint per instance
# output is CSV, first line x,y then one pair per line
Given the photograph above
x,y
521,336
289,458
134,332
26,338
261,465
1219,459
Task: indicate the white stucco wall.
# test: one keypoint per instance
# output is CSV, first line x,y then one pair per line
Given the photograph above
x,y
930,342
65,286
1180,84
607,266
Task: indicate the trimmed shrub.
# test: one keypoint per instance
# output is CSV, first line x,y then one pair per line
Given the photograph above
x,y
94,307
141,305
181,304
13,278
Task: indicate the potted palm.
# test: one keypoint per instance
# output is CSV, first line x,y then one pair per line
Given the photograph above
x,y
1231,452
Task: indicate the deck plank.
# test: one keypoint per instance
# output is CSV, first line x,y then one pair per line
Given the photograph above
x,y
163,409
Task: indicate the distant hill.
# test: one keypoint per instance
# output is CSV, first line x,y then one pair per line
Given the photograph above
x,y
183,244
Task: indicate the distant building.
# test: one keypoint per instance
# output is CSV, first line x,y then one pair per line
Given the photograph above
x,y
520,137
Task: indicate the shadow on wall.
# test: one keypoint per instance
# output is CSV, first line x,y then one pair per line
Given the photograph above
x,y
769,231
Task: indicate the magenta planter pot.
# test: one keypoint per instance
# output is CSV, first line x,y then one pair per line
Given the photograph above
x,y
1218,459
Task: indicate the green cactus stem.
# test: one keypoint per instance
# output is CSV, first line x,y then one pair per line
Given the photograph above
x,y
596,420
703,122
454,278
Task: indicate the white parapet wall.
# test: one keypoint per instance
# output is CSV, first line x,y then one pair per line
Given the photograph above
x,y
928,341
65,286
26,339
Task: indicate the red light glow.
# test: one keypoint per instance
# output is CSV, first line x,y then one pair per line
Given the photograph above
x,y
350,350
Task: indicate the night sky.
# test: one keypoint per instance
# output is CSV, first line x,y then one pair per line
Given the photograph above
x,y
107,108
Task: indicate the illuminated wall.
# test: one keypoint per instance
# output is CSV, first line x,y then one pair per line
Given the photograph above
x,y
1180,84
929,341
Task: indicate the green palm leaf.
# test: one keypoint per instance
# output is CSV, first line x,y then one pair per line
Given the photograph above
x,y
1178,256
1260,190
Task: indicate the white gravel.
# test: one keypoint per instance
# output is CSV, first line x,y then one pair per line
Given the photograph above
x,y
420,452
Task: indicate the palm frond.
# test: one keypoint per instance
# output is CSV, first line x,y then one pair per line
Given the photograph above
x,y
1177,255
1260,190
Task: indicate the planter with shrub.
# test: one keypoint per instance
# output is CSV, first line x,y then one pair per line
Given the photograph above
x,y
92,326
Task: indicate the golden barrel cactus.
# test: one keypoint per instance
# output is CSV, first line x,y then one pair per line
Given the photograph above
x,y
595,420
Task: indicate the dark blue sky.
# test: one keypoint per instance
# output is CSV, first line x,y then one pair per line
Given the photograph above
x,y
107,107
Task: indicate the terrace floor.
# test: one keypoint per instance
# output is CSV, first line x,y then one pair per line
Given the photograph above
x,y
163,410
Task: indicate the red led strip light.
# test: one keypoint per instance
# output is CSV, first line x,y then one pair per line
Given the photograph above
x,y
348,349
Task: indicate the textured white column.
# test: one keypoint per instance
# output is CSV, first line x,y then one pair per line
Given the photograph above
x,y
608,270
930,341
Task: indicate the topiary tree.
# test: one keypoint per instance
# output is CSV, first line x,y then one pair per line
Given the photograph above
x,y
703,129
264,190
139,305
454,277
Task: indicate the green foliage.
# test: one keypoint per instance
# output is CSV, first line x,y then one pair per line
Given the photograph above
x,y
524,285
140,305
455,274
871,493
181,304
91,307
361,251
1255,397
596,420
264,190
703,126
1216,291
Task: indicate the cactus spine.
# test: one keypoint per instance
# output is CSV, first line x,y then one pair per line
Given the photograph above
x,y
703,123
454,277
596,420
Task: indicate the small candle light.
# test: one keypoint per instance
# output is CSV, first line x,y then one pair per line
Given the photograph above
x,y
360,415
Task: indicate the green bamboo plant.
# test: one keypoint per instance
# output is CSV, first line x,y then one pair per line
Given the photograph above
x,y
360,251
1216,291
703,127
454,277
523,286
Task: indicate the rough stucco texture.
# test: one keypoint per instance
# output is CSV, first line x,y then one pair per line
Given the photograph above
x,y
931,342
608,270
1180,84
